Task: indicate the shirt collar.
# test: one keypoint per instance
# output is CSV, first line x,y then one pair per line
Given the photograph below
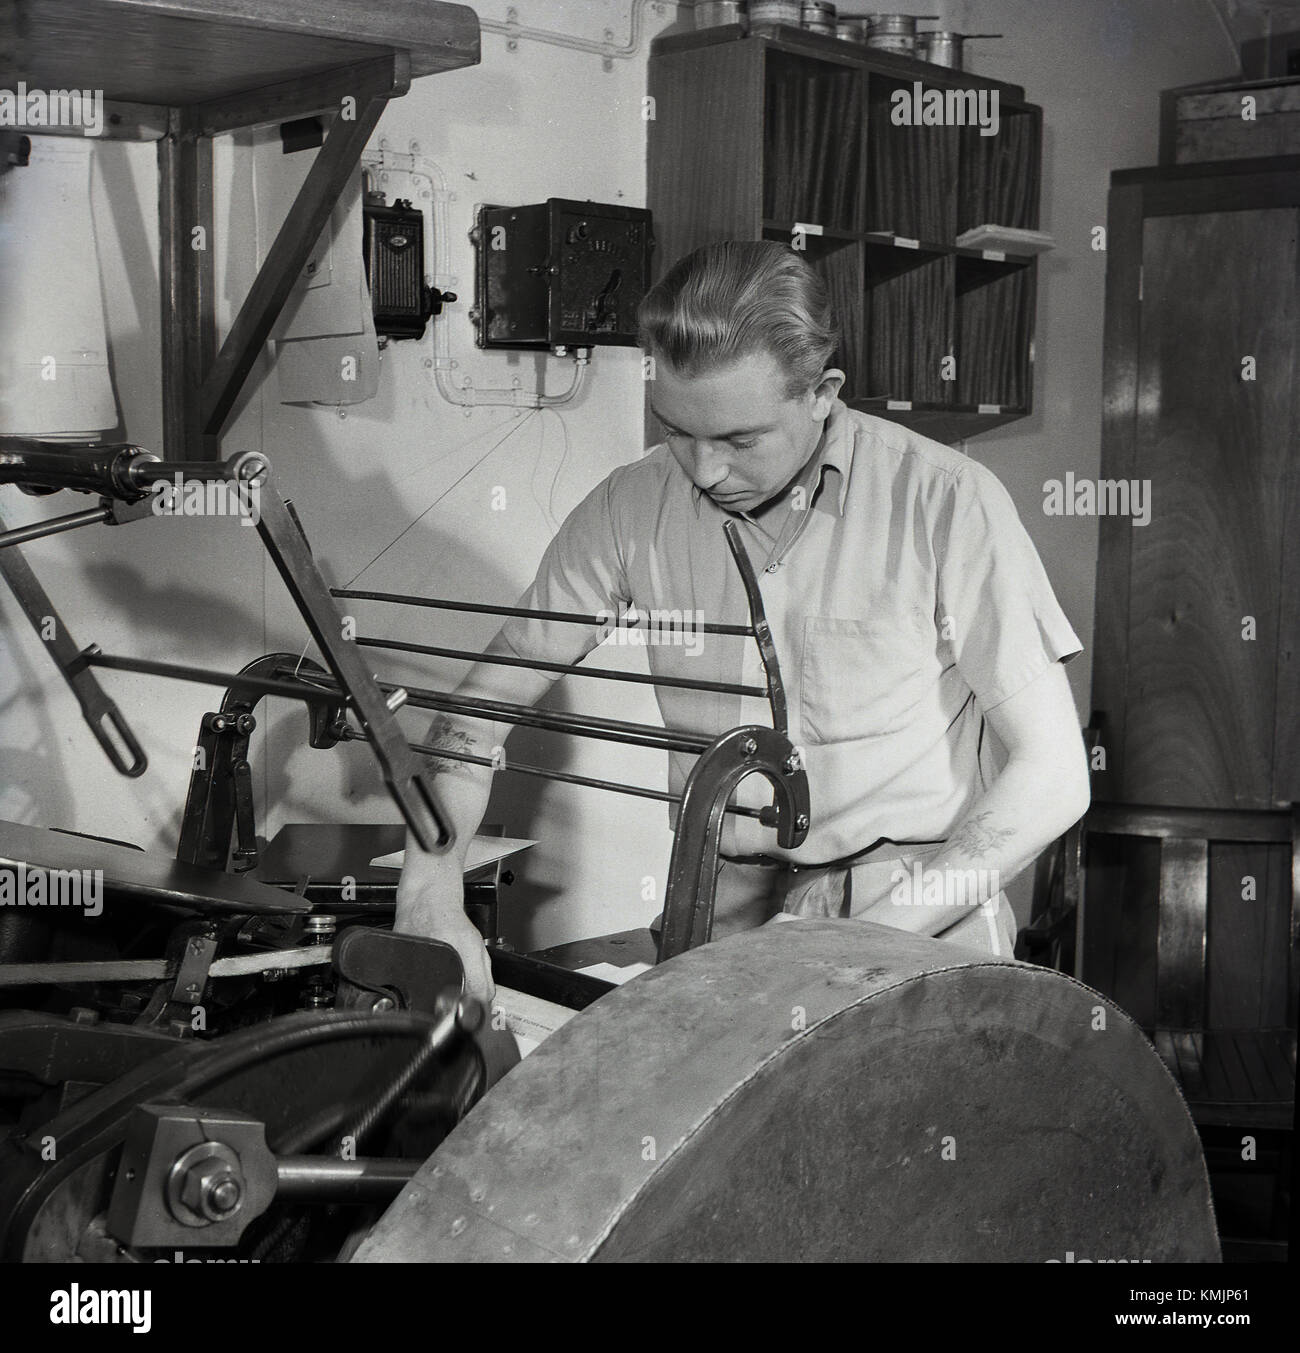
x,y
835,453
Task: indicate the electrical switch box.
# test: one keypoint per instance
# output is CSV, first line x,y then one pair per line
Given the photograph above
x,y
560,274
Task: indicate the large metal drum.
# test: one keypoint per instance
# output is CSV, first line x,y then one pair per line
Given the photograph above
x,y
822,1091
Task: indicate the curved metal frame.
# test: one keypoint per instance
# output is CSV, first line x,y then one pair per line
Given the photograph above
x,y
693,868
220,797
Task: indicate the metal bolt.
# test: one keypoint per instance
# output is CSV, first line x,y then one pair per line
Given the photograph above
x,y
211,1188
749,746
224,1195
251,468
802,822
791,763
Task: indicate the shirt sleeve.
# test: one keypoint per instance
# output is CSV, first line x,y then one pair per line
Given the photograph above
x,y
581,573
996,606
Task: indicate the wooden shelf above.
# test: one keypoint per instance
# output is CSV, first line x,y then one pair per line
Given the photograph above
x,y
889,255
947,423
801,42
182,52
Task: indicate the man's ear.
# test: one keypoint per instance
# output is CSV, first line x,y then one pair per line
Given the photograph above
x,y
826,391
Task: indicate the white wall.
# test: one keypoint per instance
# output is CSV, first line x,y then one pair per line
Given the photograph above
x,y
525,125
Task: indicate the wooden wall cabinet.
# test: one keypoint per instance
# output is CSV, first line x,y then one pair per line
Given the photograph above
x,y
755,137
1196,648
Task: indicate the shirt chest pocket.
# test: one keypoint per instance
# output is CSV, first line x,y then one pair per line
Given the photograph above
x,y
860,678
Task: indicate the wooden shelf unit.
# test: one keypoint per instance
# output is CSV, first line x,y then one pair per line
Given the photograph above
x,y
790,136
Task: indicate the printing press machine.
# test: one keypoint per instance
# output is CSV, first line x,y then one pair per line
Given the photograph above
x,y
240,1059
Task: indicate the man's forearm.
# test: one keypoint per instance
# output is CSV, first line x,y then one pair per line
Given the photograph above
x,y
431,884
430,895
1005,830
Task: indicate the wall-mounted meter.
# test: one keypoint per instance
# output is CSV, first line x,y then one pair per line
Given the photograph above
x,y
560,274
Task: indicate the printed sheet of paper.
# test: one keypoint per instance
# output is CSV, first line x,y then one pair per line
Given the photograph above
x,y
482,850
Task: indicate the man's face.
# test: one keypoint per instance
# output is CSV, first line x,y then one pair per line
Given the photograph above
x,y
735,432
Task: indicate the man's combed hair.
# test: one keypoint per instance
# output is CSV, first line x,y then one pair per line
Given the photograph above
x,y
731,300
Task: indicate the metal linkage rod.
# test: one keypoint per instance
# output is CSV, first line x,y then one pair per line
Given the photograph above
x,y
20,535
767,816
567,668
205,676
562,617
86,467
106,722
118,470
581,725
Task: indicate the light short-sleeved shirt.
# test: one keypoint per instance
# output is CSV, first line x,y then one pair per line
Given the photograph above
x,y
905,600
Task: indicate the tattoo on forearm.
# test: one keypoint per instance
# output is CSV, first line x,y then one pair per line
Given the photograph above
x,y
976,838
442,733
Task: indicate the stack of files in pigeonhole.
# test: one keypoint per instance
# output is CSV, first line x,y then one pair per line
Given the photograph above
x,y
993,335
998,179
779,164
812,148
909,332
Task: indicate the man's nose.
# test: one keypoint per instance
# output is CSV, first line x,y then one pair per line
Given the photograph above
x,y
711,466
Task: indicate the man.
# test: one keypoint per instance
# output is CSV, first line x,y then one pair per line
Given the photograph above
x,y
907,605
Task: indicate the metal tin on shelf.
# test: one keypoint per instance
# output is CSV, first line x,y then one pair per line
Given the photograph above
x,y
852,30
769,13
943,47
940,48
893,33
818,16
716,13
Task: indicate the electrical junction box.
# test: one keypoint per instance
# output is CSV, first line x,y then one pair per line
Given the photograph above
x,y
560,274
393,241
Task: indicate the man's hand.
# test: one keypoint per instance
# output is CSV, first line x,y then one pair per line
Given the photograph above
x,y
430,902
430,893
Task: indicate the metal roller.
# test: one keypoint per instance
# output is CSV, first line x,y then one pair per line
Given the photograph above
x,y
822,1091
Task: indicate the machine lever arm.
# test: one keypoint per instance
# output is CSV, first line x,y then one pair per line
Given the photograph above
x,y
404,772
102,716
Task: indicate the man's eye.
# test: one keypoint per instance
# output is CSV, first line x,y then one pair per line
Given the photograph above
x,y
744,446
